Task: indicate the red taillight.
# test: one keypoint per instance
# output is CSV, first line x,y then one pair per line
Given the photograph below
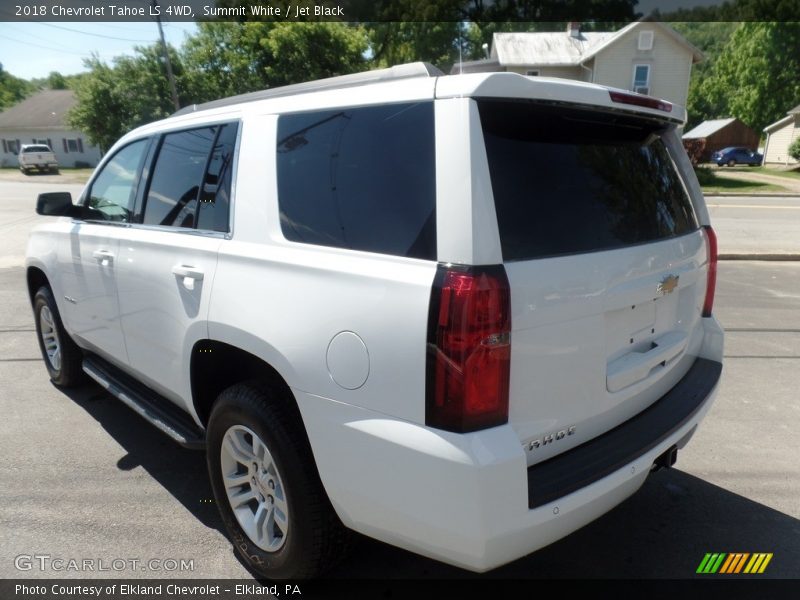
x,y
469,348
640,100
711,282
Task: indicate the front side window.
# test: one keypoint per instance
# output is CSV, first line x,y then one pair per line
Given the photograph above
x,y
360,178
113,192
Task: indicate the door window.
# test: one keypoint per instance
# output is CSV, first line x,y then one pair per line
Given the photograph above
x,y
175,184
113,191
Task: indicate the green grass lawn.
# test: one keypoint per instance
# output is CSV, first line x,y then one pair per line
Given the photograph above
x,y
711,183
766,171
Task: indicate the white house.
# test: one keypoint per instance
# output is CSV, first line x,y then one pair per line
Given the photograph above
x,y
780,136
41,119
645,56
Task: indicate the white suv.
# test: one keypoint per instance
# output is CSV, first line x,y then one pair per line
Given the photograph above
x,y
464,315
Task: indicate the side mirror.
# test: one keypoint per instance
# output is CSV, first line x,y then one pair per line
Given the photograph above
x,y
57,204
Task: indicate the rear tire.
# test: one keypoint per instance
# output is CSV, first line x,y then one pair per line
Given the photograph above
x,y
266,485
62,356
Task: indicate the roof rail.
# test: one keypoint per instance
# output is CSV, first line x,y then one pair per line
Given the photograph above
x,y
406,71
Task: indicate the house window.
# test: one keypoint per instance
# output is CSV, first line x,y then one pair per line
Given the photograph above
x,y
11,146
534,73
645,40
44,142
641,79
73,145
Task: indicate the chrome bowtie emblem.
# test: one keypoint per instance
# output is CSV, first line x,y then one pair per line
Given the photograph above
x,y
668,285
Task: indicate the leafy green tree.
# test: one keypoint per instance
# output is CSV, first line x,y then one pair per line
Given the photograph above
x,y
710,37
307,51
12,89
56,81
134,90
225,58
757,75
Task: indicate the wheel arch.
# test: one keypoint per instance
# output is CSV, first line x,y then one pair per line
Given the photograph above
x,y
35,278
216,365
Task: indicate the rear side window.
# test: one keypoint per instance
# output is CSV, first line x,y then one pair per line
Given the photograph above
x,y
360,178
178,173
569,180
215,197
190,184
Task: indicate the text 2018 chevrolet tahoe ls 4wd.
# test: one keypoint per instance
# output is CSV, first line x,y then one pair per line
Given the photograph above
x,y
464,315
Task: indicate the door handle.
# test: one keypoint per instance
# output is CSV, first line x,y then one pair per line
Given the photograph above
x,y
189,275
104,256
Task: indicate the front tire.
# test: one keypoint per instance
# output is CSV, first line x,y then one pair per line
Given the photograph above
x,y
62,356
731,163
266,485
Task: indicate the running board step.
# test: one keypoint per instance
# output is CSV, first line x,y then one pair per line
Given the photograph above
x,y
155,409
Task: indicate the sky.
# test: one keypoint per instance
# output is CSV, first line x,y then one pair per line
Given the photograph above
x,y
30,50
34,49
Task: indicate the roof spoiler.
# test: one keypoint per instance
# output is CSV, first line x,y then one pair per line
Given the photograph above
x,y
406,71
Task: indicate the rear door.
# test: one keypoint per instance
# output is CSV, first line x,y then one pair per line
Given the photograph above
x,y
606,263
168,262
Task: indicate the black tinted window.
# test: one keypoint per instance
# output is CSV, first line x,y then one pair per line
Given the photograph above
x,y
569,181
176,178
361,178
215,196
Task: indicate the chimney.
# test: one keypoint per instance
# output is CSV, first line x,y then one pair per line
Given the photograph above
x,y
574,29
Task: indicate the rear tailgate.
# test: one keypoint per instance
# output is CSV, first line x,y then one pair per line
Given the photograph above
x,y
606,263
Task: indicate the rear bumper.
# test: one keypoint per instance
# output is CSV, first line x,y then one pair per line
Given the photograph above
x,y
465,499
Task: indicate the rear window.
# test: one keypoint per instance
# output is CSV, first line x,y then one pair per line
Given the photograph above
x,y
28,149
568,180
360,178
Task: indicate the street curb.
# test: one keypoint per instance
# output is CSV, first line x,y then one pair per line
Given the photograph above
x,y
768,257
758,195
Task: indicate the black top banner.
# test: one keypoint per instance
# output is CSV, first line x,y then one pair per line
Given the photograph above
x,y
609,11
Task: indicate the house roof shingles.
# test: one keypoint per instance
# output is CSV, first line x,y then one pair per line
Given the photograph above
x,y
707,128
43,110
544,48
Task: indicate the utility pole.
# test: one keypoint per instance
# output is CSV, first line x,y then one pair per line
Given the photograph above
x,y
170,76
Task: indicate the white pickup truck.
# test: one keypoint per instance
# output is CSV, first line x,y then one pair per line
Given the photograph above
x,y
37,156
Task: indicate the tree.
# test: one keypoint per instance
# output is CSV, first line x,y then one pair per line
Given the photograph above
x,y
225,59
308,51
133,91
56,81
12,89
757,75
711,38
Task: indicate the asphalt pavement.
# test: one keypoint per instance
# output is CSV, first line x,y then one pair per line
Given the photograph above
x,y
81,476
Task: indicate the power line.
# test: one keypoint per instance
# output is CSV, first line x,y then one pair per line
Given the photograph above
x,y
100,35
46,47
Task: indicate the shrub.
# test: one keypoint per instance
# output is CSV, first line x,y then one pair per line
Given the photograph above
x,y
794,149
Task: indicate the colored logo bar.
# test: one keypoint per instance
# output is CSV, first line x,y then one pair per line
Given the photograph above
x,y
734,562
